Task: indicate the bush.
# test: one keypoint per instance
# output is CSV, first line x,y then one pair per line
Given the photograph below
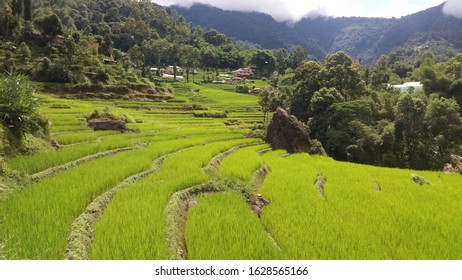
x,y
317,148
108,114
101,77
18,110
59,74
242,89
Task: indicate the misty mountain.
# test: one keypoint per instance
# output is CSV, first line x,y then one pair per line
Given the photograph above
x,y
363,38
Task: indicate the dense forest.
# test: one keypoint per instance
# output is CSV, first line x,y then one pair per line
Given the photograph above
x,y
135,34
108,48
116,41
357,116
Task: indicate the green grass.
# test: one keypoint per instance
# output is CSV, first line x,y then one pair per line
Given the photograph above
x,y
36,220
403,221
215,97
222,227
234,167
31,164
72,138
354,219
132,226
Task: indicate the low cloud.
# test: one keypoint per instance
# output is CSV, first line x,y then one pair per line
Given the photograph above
x,y
280,10
294,10
453,8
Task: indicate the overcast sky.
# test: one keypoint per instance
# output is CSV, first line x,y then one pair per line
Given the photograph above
x,y
295,9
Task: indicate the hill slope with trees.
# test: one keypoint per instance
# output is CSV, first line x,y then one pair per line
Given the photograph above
x,y
363,38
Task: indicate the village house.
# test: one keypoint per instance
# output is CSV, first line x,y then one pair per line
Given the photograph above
x,y
169,70
243,72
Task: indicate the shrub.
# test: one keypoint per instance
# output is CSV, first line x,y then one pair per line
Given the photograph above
x,y
25,52
317,148
108,114
242,89
18,109
101,77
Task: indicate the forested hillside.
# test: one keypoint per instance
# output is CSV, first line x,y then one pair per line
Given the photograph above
x,y
363,38
105,42
357,116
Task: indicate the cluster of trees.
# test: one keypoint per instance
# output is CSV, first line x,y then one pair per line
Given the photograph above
x,y
136,34
358,117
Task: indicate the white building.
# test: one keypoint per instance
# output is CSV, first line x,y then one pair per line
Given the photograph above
x,y
409,87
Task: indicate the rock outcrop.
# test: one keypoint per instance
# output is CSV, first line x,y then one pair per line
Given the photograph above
x,y
287,133
108,125
455,167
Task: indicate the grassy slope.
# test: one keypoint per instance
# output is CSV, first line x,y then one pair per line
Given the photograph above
x,y
402,221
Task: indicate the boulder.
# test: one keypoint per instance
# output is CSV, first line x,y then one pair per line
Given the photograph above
x,y
457,163
287,133
108,125
456,160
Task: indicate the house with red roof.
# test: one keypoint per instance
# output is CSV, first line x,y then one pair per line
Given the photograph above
x,y
243,72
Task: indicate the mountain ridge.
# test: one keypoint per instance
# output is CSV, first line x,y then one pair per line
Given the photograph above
x,y
364,38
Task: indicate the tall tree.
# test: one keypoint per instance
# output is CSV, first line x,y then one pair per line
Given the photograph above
x,y
380,75
410,131
297,56
319,111
444,122
50,25
264,63
17,7
27,10
189,58
8,22
307,81
342,73
346,120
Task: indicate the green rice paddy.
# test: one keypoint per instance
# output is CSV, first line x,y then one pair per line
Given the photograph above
x,y
362,212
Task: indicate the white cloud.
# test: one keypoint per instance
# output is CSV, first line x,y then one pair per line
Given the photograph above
x,y
399,8
453,8
281,10
294,10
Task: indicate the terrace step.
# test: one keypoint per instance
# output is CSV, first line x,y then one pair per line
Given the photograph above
x,y
37,177
214,165
83,228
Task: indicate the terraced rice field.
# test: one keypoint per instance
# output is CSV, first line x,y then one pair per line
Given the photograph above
x,y
181,187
